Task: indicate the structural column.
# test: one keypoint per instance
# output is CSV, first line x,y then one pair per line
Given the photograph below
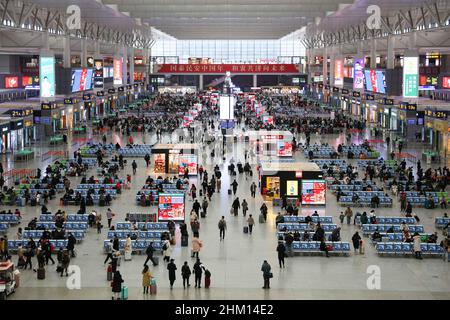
x,y
325,67
124,65
83,55
255,80
66,54
332,58
373,54
390,52
200,82
131,60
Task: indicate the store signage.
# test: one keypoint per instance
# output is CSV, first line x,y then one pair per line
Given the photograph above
x,y
298,174
408,106
356,94
389,102
335,90
100,93
20,113
370,97
344,91
87,96
223,68
446,82
68,101
411,77
111,91
117,73
48,106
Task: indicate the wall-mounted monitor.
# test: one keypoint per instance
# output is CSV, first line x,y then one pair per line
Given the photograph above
x,y
82,80
313,192
375,80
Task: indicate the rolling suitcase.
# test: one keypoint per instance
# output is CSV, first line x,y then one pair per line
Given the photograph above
x,y
229,191
207,282
109,274
245,229
153,286
41,273
261,218
200,193
184,241
124,293
155,261
127,256
203,214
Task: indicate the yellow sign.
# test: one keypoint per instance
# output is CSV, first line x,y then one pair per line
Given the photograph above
x,y
292,188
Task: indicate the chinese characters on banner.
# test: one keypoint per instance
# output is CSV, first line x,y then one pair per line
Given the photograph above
x,y
117,71
410,77
222,68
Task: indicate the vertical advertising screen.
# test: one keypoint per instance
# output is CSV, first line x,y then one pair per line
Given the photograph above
x,y
339,72
313,192
82,80
117,71
410,77
171,207
98,73
292,188
446,82
375,80
226,107
189,161
284,149
358,74
47,76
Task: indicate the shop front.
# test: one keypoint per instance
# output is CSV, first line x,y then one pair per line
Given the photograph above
x,y
175,158
16,135
4,132
296,180
437,131
29,130
50,118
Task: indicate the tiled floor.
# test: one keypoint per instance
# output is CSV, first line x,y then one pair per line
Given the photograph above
x,y
235,263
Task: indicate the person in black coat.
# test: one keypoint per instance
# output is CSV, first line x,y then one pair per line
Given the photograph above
x,y
281,249
356,240
198,273
172,268
117,285
71,244
185,273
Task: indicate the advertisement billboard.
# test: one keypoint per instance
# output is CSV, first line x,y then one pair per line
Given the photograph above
x,y
117,71
98,73
446,82
82,80
284,149
358,74
411,77
375,80
11,82
339,72
189,161
292,188
313,192
47,76
268,120
171,207
226,107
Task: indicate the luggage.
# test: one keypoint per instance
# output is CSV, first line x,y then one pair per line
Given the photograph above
x,y
153,286
33,202
155,261
109,274
246,229
229,191
59,268
203,214
261,218
207,282
41,273
127,256
200,193
19,202
124,293
184,241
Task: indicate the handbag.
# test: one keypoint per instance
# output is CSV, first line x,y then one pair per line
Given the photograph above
x,y
270,275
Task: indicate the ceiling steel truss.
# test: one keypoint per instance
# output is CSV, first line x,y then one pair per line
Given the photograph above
x,y
22,16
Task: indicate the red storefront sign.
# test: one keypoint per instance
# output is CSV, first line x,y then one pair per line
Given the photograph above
x,y
222,68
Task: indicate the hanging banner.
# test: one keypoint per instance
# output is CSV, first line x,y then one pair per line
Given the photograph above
x,y
223,68
47,76
117,71
339,72
358,74
98,74
411,77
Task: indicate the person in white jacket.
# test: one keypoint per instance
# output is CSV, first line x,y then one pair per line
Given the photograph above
x,y
167,250
128,248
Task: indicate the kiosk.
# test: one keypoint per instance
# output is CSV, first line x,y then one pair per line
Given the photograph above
x,y
299,180
173,158
271,143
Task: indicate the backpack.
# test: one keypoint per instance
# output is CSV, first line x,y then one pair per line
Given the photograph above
x,y
221,224
165,246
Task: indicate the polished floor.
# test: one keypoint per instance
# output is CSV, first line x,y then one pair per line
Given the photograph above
x,y
235,263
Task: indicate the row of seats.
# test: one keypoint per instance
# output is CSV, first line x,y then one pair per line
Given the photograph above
x,y
420,201
96,186
141,217
37,234
303,226
67,225
315,219
352,187
84,192
371,228
9,218
427,193
314,246
391,220
138,234
70,217
142,225
365,193
441,221
13,245
348,200
137,245
396,237
4,226
403,248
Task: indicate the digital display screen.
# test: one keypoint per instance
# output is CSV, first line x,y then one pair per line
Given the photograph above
x,y
358,74
375,81
284,149
313,192
446,82
47,76
292,187
82,80
227,107
11,82
117,71
171,207
339,72
187,120
189,161
98,73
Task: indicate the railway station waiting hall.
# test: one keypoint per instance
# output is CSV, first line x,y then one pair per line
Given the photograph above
x,y
247,150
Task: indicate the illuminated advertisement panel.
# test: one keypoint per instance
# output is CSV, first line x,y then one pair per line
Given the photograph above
x,y
11,82
189,161
171,207
339,72
47,76
284,149
313,192
98,74
117,71
292,187
358,74
410,77
268,120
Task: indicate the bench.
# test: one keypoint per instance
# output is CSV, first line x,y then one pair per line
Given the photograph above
x,y
407,249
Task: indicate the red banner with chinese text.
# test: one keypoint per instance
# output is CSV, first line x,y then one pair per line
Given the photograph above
x,y
222,68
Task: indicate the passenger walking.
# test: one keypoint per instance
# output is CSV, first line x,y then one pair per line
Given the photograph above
x,y
146,278
222,227
251,223
117,285
172,268
185,273
197,245
134,166
198,271
244,207
417,246
149,252
348,215
267,274
356,240
281,249
253,190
